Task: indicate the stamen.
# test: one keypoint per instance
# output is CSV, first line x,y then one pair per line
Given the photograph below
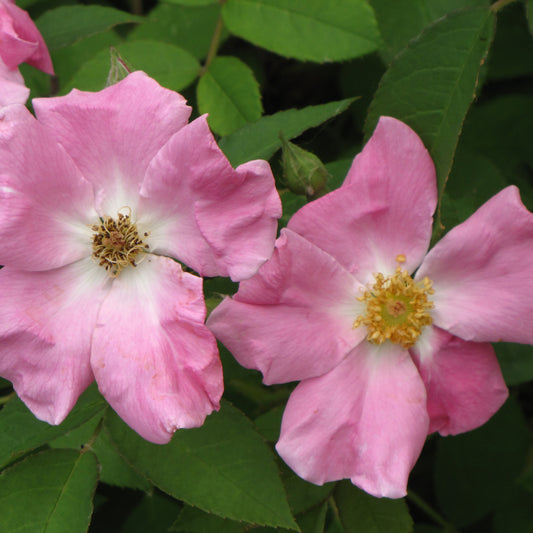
x,y
116,242
397,308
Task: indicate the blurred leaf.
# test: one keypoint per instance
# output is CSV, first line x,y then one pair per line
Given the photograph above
x,y
291,203
190,28
512,34
224,467
229,93
192,3
516,515
530,15
314,520
516,361
501,129
21,432
475,471
430,86
402,20
269,424
171,66
302,495
67,24
338,170
49,492
154,514
361,512
313,30
113,468
192,520
67,61
474,179
260,140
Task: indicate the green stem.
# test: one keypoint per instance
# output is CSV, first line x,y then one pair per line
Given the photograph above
x,y
7,397
213,47
499,4
429,511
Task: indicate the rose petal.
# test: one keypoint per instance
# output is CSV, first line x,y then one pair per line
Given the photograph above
x,y
217,220
12,88
47,206
154,360
46,323
365,420
294,319
482,273
464,383
112,135
21,40
384,208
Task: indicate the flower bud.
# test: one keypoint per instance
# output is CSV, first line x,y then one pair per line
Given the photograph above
x,y
303,171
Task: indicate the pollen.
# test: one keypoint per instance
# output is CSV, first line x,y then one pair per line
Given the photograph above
x,y
117,243
397,308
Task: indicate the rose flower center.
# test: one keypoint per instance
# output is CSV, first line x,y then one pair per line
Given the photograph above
x,y
397,308
117,243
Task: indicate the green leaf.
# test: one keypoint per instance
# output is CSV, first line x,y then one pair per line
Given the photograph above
x,y
314,520
361,512
190,28
516,361
530,15
113,468
155,513
516,515
512,34
313,30
78,22
192,520
501,129
171,66
402,20
430,86
49,492
21,432
224,468
67,61
193,3
229,92
476,470
473,180
260,140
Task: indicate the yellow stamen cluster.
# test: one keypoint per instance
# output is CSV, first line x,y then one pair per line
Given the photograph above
x,y
116,242
397,308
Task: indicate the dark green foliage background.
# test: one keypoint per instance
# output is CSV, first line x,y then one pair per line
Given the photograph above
x,y
460,72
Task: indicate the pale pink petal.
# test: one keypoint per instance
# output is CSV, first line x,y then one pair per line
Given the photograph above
x,y
463,381
112,135
46,323
217,220
294,319
21,40
154,360
365,420
384,208
12,88
482,272
46,205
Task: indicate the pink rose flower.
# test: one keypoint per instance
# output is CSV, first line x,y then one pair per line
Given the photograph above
x,y
20,42
384,357
97,195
